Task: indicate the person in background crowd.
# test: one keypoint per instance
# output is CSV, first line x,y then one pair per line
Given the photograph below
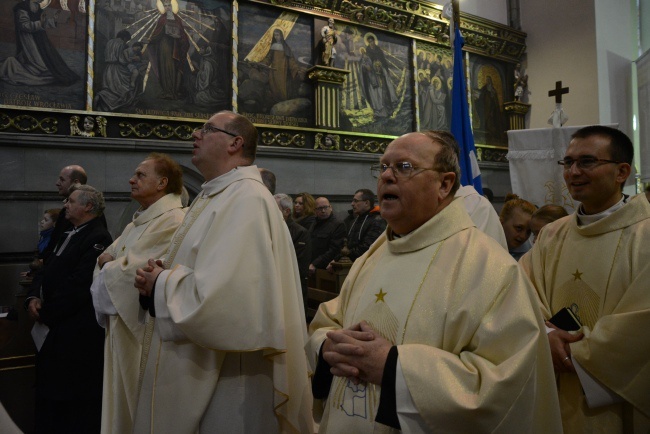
x,y
543,216
304,209
515,217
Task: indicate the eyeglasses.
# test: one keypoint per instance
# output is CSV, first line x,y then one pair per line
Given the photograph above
x,y
354,200
584,163
402,169
322,208
207,129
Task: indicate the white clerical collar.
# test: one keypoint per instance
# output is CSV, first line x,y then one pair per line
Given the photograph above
x,y
587,219
138,213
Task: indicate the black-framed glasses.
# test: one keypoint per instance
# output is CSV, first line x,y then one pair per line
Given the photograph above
x,y
207,129
322,208
585,162
402,169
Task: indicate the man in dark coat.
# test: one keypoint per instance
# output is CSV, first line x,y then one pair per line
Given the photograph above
x,y
327,234
301,241
69,362
364,224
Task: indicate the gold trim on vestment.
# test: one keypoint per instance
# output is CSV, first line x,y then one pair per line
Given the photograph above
x,y
426,273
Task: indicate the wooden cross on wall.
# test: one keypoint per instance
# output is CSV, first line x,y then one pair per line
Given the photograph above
x,y
558,92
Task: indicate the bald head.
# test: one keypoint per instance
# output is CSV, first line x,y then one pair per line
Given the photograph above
x,y
69,175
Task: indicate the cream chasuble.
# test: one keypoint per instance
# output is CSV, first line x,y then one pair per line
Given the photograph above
x,y
148,236
482,213
462,315
227,351
602,272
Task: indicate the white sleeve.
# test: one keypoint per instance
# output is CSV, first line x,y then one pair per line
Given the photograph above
x,y
101,300
596,393
407,413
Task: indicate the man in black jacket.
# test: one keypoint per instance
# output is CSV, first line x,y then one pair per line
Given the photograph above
x,y
301,241
364,224
69,364
327,234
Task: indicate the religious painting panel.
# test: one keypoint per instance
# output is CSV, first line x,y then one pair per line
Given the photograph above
x,y
489,89
163,57
43,53
377,95
273,62
435,69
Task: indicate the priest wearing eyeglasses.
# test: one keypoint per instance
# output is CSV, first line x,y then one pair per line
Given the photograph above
x,y
596,262
436,328
226,353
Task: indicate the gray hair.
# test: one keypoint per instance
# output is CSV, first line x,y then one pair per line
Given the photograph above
x,y
284,200
90,195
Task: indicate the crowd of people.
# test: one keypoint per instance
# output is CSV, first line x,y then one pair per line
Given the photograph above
x,y
193,319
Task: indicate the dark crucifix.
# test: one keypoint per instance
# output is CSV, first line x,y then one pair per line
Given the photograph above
x,y
558,92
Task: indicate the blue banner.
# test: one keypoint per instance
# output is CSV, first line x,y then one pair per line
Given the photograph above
x,y
461,125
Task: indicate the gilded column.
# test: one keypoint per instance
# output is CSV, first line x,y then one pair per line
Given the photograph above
x,y
328,83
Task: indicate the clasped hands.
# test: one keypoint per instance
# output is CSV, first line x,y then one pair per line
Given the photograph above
x,y
145,278
357,353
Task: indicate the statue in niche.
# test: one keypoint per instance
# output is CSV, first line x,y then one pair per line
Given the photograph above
x,y
521,83
92,127
328,40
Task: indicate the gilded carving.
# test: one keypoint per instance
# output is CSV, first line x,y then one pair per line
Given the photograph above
x,y
322,74
92,127
27,123
492,155
283,139
360,13
360,145
436,29
317,3
327,142
163,131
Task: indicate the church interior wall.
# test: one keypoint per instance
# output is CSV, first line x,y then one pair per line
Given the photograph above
x,y
561,45
493,10
644,25
617,45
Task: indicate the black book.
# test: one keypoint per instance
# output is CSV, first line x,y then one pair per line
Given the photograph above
x,y
566,320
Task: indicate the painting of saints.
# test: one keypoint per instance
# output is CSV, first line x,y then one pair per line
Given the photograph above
x,y
387,101
37,62
434,112
123,73
377,92
283,68
488,107
163,57
168,47
273,85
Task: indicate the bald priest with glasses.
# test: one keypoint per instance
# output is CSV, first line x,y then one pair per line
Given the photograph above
x,y
596,263
436,328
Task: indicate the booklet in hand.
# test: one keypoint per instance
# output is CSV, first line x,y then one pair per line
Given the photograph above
x,y
566,320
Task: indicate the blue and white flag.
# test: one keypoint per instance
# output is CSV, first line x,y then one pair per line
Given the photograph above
x,y
461,125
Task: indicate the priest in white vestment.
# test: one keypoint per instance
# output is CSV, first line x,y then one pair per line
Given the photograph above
x,y
156,185
436,327
596,262
480,209
227,347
